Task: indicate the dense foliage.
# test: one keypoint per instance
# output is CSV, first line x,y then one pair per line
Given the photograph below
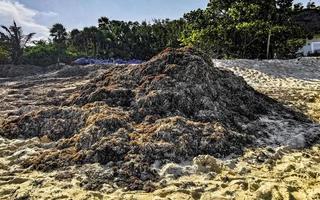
x,y
44,53
118,39
111,39
225,29
4,55
246,28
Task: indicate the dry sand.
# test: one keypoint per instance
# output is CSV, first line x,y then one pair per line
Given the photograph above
x,y
293,82
260,174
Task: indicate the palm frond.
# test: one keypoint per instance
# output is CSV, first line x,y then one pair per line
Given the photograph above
x,y
4,36
28,38
7,30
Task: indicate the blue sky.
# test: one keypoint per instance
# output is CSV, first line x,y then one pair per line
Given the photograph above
x,y
78,13
38,15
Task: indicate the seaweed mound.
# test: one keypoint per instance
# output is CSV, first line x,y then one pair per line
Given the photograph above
x,y
137,117
179,82
19,70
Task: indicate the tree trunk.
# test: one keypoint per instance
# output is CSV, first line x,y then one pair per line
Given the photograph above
x,y
268,45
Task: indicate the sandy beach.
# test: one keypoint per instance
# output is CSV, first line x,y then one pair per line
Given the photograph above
x,y
260,173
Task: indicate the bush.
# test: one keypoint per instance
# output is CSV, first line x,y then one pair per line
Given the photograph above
x,y
47,54
4,56
290,49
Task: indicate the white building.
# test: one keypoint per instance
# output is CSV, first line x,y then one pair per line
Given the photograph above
x,y
312,47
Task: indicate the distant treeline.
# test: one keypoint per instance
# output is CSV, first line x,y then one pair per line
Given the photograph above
x,y
225,29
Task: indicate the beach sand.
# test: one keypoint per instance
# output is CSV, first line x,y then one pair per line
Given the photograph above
x,y
261,173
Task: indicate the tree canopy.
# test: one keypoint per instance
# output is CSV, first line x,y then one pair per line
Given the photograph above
x,y
245,28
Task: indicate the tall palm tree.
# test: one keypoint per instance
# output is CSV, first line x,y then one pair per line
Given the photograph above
x,y
16,41
59,34
93,38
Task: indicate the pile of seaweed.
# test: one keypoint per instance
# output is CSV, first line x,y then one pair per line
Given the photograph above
x,y
136,118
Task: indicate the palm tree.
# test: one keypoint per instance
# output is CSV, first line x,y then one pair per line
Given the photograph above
x,y
103,22
93,38
16,41
59,35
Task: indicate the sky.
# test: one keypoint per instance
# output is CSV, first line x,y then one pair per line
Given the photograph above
x,y
38,15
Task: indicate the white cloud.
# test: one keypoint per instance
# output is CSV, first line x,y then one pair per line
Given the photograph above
x,y
25,17
48,14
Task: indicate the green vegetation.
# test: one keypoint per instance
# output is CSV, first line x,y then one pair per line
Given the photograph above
x,y
111,39
245,29
14,42
4,55
225,29
127,40
44,53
